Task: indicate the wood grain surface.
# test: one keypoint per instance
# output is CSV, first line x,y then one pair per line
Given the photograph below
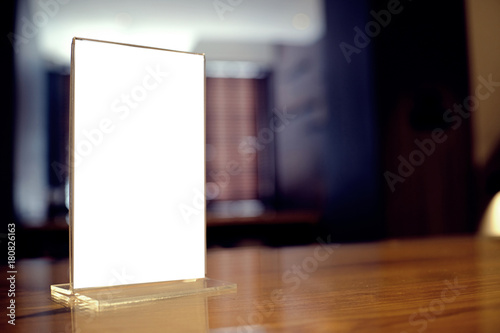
x,y
421,285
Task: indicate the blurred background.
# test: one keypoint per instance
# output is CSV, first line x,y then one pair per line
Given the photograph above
x,y
361,120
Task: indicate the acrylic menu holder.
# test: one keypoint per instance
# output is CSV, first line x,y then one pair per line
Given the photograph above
x,y
136,176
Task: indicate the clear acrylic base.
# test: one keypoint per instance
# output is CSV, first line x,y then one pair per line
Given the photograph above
x,y
107,298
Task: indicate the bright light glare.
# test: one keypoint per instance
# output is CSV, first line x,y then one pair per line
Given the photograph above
x,y
490,225
139,159
55,46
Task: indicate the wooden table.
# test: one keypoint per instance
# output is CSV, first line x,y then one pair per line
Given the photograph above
x,y
431,285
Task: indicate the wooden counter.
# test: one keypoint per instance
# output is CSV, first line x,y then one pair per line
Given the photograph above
x,y
431,285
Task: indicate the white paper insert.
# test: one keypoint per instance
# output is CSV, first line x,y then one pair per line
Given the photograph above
x,y
139,126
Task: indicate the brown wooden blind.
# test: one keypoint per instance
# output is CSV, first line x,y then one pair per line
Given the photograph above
x,y
231,112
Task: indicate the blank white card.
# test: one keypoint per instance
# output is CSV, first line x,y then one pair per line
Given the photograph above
x,y
137,212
